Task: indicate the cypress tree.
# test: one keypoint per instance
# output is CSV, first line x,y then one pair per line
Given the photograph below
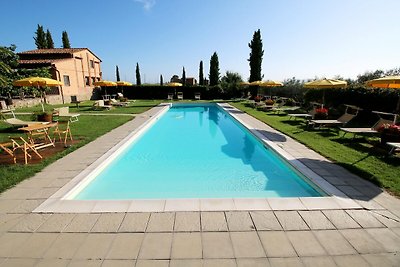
x,y
117,73
183,76
49,39
40,38
201,75
65,40
138,81
161,80
214,70
256,55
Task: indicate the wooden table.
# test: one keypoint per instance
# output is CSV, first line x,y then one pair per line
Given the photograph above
x,y
39,130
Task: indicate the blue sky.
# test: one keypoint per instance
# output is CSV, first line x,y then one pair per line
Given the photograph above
x,y
301,38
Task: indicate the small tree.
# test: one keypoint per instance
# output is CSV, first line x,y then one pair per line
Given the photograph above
x,y
161,80
138,80
214,69
8,62
117,73
201,75
183,76
40,38
230,83
65,40
256,55
49,39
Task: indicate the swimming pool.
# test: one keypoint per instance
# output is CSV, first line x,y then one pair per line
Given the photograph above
x,y
195,151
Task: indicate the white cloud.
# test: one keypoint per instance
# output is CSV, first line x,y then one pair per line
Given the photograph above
x,y
147,4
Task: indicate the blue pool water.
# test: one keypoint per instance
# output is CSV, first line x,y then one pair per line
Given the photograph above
x,y
196,151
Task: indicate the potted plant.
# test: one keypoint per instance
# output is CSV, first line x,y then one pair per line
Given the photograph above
x,y
389,133
321,114
45,116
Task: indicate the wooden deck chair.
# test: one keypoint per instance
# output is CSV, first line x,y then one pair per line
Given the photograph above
x,y
366,130
342,120
17,122
99,104
66,132
11,147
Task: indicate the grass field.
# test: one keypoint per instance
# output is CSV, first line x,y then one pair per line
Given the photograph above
x,y
364,157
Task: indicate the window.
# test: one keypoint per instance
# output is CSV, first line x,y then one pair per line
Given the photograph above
x,y
93,80
87,81
92,64
66,80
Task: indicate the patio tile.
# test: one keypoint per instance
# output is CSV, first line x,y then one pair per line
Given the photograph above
x,y
265,220
9,242
334,243
186,246
219,263
346,203
239,221
161,222
30,222
321,261
305,243
369,204
156,246
43,193
364,218
35,246
56,223
135,222
187,222
276,244
350,260
216,204
349,190
260,262
340,219
383,260
362,241
186,263
139,205
318,203
65,246
251,204
19,262
387,218
95,246
18,205
125,246
82,223
112,206
285,262
118,263
8,221
86,263
246,245
52,263
286,204
108,223
182,205
217,245
18,193
213,221
291,220
389,240
316,220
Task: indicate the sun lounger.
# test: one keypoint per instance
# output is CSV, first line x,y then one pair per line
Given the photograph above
x,y
64,112
284,109
17,122
307,116
365,130
393,146
170,96
99,104
118,103
341,121
197,96
180,96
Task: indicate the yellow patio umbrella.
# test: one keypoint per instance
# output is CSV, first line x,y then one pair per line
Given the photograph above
x,y
325,83
105,83
386,82
122,83
270,83
174,84
244,83
256,83
39,82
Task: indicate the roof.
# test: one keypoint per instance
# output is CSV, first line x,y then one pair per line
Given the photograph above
x,y
37,61
70,51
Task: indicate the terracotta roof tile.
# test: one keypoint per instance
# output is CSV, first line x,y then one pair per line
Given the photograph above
x,y
53,51
37,61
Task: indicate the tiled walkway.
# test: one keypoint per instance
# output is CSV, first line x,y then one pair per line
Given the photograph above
x,y
366,233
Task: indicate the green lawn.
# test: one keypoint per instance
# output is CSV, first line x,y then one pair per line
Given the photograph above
x,y
86,129
364,157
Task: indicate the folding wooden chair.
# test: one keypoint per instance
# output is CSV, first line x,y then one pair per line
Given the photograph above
x,y
11,147
66,132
